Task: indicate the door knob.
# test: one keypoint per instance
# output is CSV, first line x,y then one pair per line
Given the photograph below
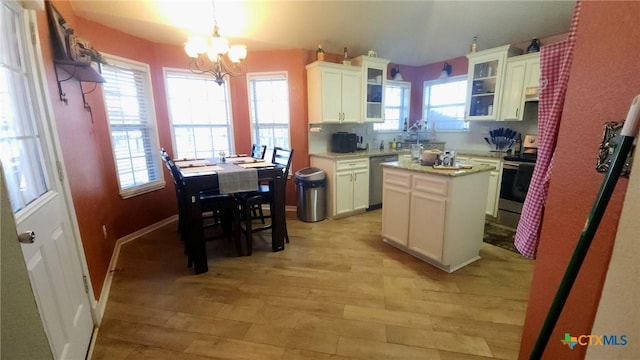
x,y
27,237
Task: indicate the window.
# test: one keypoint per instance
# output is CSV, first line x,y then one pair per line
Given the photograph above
x,y
132,122
200,115
397,99
20,143
444,102
269,110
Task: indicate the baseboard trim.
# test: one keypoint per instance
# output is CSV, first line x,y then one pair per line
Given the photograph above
x,y
101,305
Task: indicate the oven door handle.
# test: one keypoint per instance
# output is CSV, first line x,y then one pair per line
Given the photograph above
x,y
510,166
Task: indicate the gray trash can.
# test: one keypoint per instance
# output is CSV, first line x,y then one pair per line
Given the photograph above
x,y
312,201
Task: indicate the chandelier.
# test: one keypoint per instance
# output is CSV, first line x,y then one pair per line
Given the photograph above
x,y
208,55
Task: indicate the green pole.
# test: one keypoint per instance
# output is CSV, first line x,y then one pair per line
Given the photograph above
x,y
628,133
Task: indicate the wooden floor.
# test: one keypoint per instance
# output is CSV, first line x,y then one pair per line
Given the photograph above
x,y
336,292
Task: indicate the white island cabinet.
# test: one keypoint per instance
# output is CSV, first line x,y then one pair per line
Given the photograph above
x,y
435,215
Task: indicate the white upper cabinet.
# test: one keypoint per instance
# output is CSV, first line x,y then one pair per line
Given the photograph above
x,y
334,93
485,80
374,71
522,72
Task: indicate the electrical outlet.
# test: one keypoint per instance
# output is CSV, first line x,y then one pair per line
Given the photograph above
x,y
104,231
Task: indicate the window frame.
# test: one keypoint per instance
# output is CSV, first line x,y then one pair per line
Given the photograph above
x,y
406,86
254,127
32,108
188,74
425,107
152,127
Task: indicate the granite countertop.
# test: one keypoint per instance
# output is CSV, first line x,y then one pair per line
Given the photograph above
x,y
480,153
360,154
412,166
404,151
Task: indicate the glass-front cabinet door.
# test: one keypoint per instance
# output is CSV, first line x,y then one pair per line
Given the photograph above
x,y
374,72
484,86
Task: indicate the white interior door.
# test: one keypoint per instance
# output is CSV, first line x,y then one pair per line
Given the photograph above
x,y
37,195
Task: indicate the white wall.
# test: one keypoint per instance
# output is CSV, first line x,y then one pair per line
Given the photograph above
x,y
319,142
618,312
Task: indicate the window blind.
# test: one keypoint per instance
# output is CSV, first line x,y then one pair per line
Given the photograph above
x,y
396,107
269,110
132,123
200,114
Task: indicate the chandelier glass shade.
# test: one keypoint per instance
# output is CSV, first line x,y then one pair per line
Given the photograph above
x,y
208,56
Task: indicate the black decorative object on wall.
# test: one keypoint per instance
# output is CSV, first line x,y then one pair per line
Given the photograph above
x,y
608,146
72,56
59,30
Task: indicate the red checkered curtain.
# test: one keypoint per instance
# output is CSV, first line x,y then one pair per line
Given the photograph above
x,y
555,66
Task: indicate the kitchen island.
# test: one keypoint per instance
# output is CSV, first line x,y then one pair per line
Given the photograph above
x,y
435,215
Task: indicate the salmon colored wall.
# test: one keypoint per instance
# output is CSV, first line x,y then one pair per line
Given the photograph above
x,y
290,61
86,150
602,84
86,145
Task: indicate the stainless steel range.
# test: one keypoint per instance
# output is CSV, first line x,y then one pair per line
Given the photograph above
x,y
517,171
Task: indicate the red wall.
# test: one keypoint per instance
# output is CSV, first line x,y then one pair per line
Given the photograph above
x,y
86,149
86,145
602,84
417,75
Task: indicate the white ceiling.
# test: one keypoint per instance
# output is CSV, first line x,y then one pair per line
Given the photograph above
x,y
406,32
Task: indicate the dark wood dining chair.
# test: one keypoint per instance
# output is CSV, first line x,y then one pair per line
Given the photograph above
x,y
223,206
168,163
164,155
258,151
264,196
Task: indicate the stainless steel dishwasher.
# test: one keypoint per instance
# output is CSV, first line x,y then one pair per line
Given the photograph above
x,y
375,179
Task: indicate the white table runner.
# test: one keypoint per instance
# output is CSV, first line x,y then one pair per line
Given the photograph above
x,y
232,179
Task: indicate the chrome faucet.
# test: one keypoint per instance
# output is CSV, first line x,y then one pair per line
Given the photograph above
x,y
417,127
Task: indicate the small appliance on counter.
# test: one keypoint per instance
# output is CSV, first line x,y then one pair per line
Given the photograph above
x,y
343,142
528,152
359,145
530,145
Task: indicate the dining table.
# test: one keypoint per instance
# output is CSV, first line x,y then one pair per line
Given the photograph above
x,y
208,175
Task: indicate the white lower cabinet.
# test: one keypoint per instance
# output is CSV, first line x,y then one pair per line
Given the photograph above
x,y
495,177
427,242
396,195
352,190
436,218
347,184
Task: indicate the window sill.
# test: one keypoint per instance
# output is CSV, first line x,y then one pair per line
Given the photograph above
x,y
142,189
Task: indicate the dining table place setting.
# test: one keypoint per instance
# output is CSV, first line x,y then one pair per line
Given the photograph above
x,y
200,169
185,163
242,160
